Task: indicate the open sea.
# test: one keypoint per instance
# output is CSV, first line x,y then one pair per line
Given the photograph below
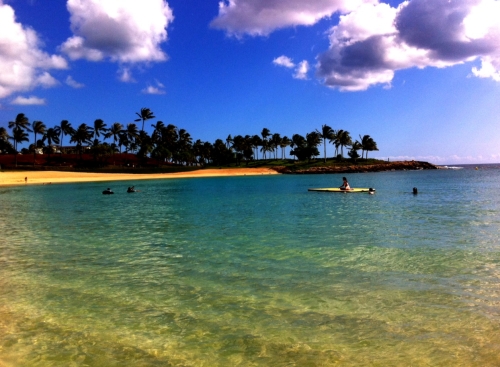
x,y
253,271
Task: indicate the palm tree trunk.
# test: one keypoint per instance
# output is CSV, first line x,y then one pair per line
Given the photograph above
x,y
15,148
324,147
34,152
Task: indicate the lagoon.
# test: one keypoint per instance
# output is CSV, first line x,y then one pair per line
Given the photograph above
x,y
253,271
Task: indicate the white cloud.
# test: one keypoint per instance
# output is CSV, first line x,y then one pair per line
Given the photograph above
x,y
489,69
125,75
125,31
301,70
73,83
261,17
373,40
152,90
158,89
28,101
284,61
46,80
370,44
23,65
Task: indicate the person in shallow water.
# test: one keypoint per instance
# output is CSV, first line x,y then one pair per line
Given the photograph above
x,y
345,184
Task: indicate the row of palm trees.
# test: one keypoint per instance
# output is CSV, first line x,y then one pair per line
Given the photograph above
x,y
168,143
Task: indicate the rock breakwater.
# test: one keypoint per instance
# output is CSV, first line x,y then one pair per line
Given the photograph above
x,y
386,166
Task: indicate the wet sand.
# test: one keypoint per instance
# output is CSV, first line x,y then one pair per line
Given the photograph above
x,y
10,178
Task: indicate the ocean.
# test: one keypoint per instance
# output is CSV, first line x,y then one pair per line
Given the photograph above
x,y
253,271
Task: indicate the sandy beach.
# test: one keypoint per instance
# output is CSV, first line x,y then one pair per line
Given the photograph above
x,y
10,178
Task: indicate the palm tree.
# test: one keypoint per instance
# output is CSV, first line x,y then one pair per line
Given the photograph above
x,y
157,132
145,114
132,132
21,122
128,137
275,143
3,134
38,128
333,139
114,131
325,133
145,144
285,142
83,134
5,145
367,144
353,153
343,140
184,145
18,136
265,133
51,136
256,143
99,126
265,147
65,128
313,139
298,142
372,146
229,141
169,138
123,140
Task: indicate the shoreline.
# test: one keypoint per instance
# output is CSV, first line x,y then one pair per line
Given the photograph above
x,y
16,178
382,167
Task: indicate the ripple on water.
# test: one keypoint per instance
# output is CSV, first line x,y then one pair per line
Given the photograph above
x,y
253,271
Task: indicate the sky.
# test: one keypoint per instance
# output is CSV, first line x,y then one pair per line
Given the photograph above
x,y
421,77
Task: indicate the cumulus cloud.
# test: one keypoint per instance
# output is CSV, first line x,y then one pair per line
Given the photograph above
x,y
23,65
373,40
73,83
261,17
28,101
125,75
284,61
125,31
46,80
490,68
158,88
301,70
371,43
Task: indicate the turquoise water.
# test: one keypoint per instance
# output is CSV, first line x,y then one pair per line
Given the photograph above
x,y
253,271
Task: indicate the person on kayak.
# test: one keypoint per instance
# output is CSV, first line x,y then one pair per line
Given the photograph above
x,y
345,184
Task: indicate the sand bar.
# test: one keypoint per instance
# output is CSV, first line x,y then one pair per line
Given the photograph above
x,y
10,178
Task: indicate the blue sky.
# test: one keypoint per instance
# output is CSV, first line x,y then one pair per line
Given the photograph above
x,y
421,77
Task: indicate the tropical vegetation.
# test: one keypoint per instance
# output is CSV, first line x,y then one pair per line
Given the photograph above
x,y
168,143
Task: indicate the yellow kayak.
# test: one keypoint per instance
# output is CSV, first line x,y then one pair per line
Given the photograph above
x,y
336,189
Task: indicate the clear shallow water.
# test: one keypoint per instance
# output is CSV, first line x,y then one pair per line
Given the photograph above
x,y
253,271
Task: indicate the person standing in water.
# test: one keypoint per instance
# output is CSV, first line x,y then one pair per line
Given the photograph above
x,y
345,184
